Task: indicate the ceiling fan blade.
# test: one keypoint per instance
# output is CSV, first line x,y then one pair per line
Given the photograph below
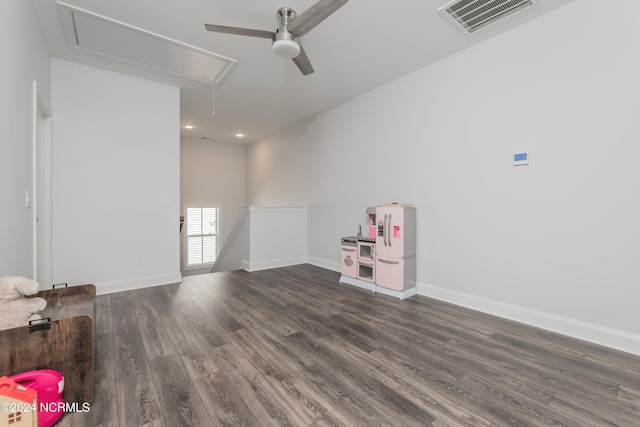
x,y
303,63
313,16
240,31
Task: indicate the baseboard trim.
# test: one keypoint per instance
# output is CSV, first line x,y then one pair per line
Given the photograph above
x,y
319,262
596,334
274,263
137,283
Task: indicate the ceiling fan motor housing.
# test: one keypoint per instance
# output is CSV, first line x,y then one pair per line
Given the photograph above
x,y
285,44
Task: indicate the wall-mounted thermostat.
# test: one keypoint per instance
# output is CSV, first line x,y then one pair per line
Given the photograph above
x,y
520,159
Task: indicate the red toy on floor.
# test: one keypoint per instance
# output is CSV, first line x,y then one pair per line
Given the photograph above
x,y
17,404
49,385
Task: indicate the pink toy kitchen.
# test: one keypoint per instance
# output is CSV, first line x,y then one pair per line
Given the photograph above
x,y
383,259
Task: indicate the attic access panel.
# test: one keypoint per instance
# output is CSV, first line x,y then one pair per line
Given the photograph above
x,y
472,15
103,36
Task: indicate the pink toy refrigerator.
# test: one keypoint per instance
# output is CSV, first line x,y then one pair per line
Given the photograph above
x,y
396,247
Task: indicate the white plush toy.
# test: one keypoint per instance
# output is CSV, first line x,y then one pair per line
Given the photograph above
x,y
15,309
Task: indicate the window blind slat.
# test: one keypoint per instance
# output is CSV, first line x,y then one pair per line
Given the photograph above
x,y
202,235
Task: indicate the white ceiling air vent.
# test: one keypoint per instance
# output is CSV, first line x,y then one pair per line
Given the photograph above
x,y
473,15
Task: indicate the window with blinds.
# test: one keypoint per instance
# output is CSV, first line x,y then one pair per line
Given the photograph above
x,y
202,236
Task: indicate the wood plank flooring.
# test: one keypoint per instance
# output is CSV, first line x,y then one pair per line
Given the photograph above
x,y
293,347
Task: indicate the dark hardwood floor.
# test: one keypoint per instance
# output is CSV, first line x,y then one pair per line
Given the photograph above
x,y
292,346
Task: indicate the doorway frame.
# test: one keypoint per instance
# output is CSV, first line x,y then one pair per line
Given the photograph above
x,y
42,190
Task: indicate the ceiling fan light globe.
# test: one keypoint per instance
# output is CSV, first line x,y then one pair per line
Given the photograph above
x,y
286,48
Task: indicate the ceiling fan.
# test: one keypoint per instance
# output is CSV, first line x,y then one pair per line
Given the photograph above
x,y
286,39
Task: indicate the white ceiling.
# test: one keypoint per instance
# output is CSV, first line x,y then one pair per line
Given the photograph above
x,y
363,45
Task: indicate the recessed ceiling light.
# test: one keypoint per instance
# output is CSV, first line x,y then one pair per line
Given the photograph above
x,y
239,135
188,126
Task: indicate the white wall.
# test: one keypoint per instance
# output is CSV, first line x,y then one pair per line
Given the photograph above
x,y
277,236
26,60
266,237
116,192
554,243
213,172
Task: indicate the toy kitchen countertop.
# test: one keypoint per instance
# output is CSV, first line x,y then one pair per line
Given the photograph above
x,y
353,240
